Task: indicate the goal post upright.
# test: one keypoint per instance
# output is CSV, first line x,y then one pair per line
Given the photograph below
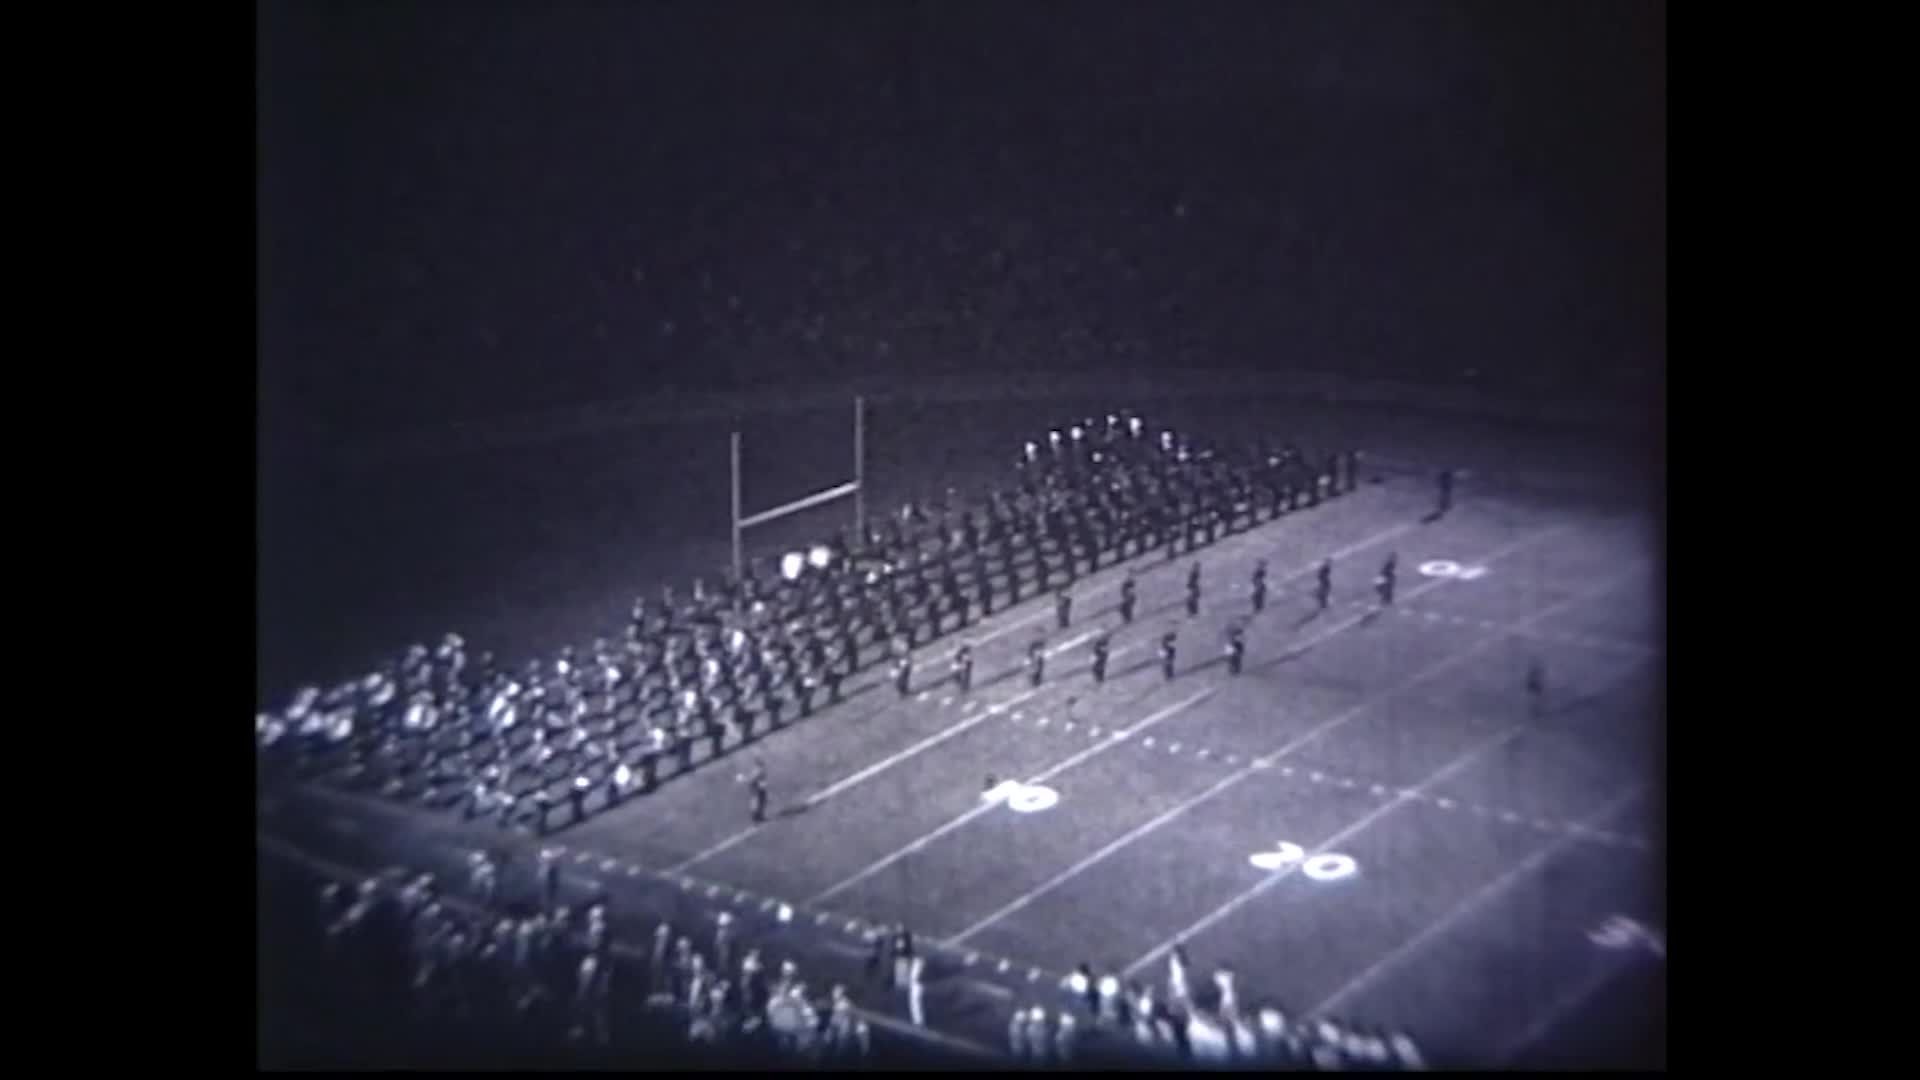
x,y
859,467
857,487
734,444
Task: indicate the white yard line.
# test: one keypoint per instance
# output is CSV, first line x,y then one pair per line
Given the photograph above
x,y
970,722
1466,907
1401,799
1108,743
1504,815
1074,641
1244,771
1583,641
1559,1010
1055,881
867,773
1003,631
1404,798
1121,736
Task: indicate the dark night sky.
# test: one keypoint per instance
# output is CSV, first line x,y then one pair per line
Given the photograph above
x,y
482,207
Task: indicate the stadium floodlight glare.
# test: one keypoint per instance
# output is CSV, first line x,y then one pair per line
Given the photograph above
x,y
792,564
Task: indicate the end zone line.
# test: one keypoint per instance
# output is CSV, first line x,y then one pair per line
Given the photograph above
x,y
1460,911
1402,799
1107,743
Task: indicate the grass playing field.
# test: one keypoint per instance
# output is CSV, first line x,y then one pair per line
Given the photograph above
x,y
1371,823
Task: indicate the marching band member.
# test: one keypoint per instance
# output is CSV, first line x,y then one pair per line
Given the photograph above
x,y
1178,993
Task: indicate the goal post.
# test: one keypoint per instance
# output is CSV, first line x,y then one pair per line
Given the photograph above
x,y
855,488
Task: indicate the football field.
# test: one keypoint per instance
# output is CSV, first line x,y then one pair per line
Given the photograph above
x,y
1373,822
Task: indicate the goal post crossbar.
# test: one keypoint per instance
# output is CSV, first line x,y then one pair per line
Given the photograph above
x,y
855,487
805,503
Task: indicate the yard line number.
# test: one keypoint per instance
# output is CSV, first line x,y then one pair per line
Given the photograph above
x,y
1621,932
1447,568
1326,866
1022,798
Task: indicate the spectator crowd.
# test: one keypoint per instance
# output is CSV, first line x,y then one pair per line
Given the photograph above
x,y
542,981
1099,1021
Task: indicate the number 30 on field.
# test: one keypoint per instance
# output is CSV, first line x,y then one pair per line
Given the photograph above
x,y
1326,866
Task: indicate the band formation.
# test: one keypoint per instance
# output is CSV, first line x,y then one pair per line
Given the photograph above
x,y
700,674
